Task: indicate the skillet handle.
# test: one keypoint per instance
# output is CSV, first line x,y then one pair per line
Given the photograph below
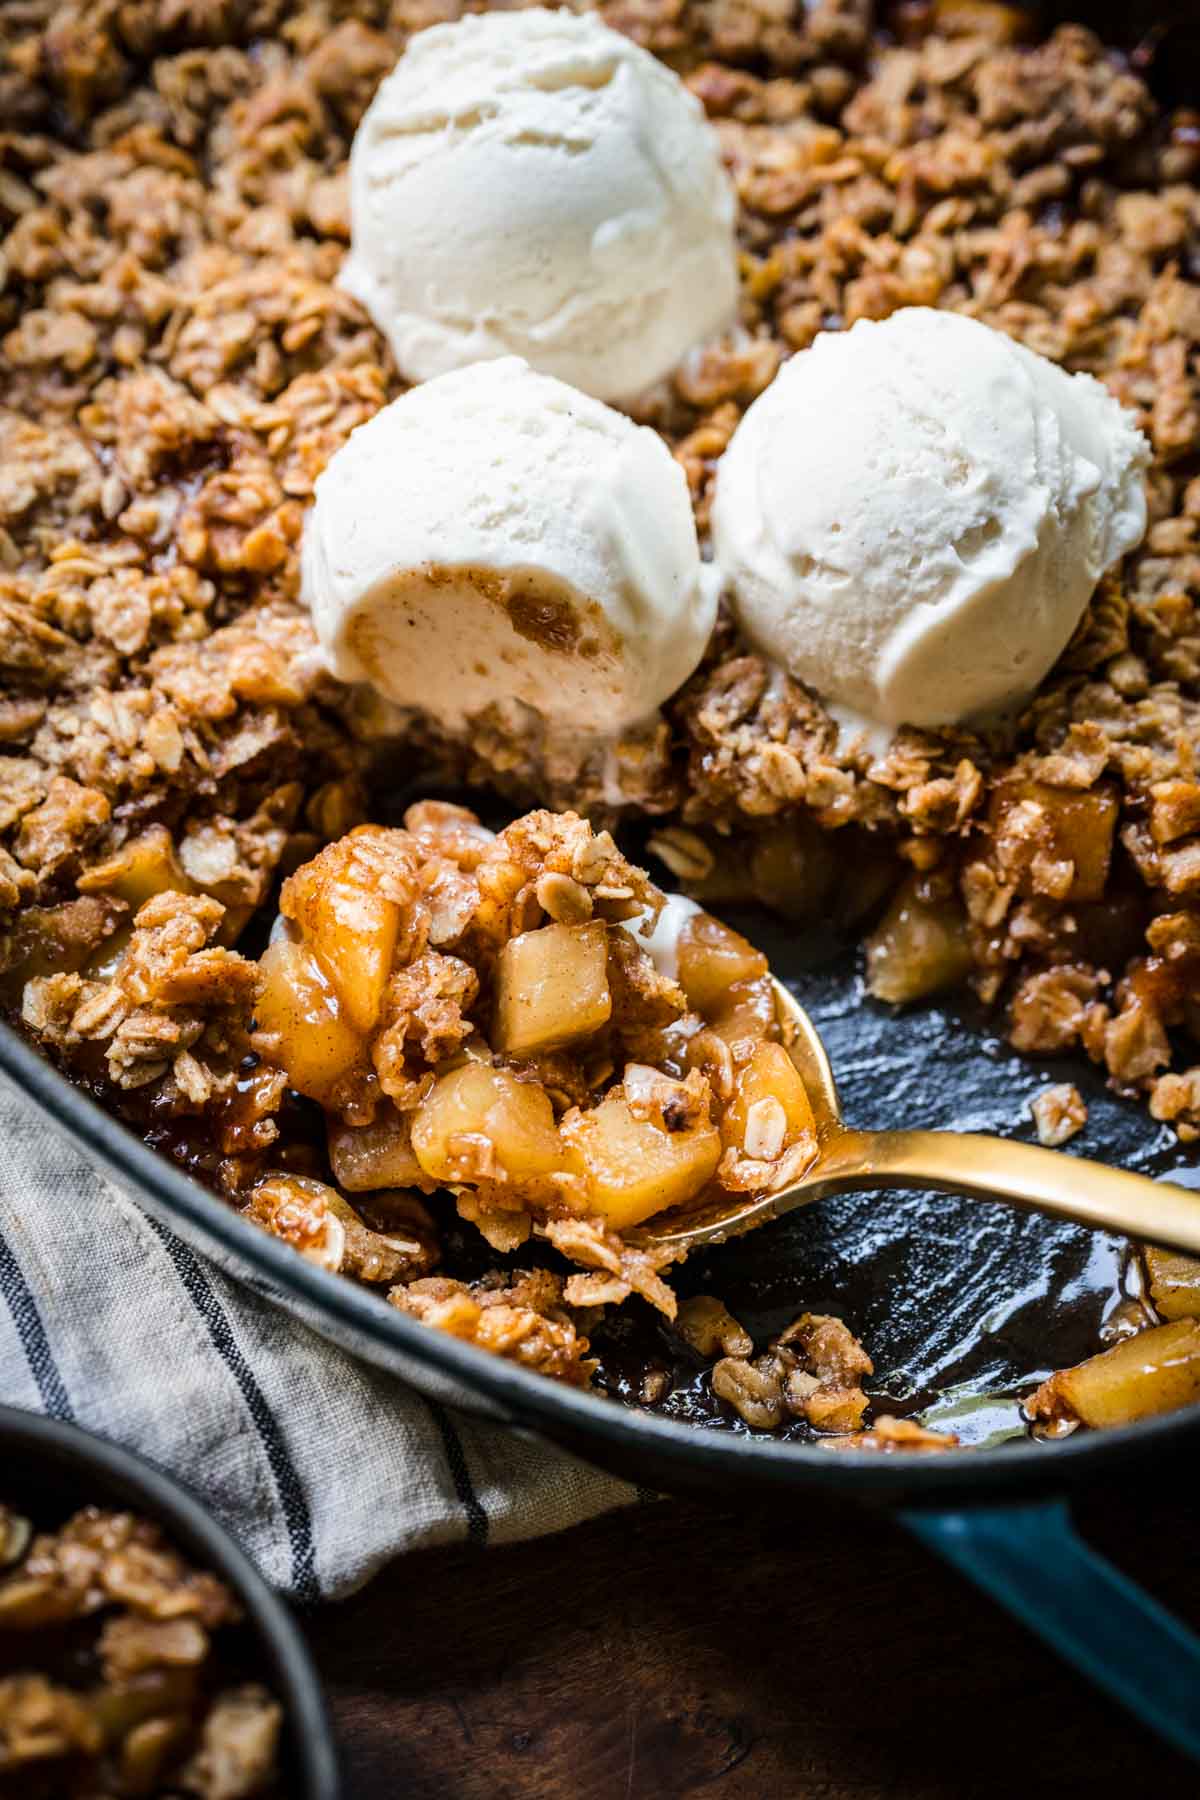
x,y
1030,1558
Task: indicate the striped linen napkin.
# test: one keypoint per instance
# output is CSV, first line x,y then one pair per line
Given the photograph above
x,y
321,1467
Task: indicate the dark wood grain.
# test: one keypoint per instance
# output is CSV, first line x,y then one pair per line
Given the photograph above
x,y
672,1650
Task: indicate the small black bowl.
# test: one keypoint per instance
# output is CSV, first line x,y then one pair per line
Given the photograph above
x,y
47,1464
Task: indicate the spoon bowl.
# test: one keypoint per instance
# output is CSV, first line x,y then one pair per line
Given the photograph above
x,y
971,1163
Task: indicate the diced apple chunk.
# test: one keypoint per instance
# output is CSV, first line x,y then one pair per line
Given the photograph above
x,y
793,867
298,1008
919,946
350,925
711,958
379,1155
483,1123
745,1015
551,987
772,1077
633,1166
146,866
1155,1372
1067,827
1174,1283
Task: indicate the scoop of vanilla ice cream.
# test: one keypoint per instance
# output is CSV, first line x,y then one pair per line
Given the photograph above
x,y
913,517
533,183
495,535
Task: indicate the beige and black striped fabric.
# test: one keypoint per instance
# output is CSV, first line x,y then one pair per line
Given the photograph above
x,y
323,1468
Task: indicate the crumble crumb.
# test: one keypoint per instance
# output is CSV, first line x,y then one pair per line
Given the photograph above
x,y
1059,1113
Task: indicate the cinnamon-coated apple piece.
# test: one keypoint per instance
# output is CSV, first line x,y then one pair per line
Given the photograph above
x,y
770,1109
711,958
482,1123
919,946
551,988
365,1158
342,914
1156,1371
633,1164
300,1013
1174,1283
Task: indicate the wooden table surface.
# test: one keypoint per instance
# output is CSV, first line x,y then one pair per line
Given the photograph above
x,y
751,1654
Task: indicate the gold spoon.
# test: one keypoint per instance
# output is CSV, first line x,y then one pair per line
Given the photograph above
x,y
959,1162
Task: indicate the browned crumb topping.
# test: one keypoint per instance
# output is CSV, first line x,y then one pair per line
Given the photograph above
x,y
525,1320
888,1435
118,1682
811,1371
1059,1114
175,1005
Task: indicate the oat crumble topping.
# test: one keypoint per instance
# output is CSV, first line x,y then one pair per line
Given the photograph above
x,y
118,1677
179,365
1059,1114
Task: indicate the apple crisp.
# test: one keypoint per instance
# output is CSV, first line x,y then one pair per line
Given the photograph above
x,y
117,1672
472,1013
180,365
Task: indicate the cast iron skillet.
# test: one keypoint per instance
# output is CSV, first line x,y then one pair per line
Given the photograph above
x,y
959,1304
53,1468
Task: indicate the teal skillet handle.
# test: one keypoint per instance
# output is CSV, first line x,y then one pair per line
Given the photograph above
x,y
1031,1559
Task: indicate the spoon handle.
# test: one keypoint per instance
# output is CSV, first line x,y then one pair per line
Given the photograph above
x,y
994,1168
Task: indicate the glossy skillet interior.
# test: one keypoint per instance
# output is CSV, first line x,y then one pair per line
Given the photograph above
x,y
948,1295
53,1468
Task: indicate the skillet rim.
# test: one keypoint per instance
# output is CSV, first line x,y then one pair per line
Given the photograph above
x,y
569,1416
